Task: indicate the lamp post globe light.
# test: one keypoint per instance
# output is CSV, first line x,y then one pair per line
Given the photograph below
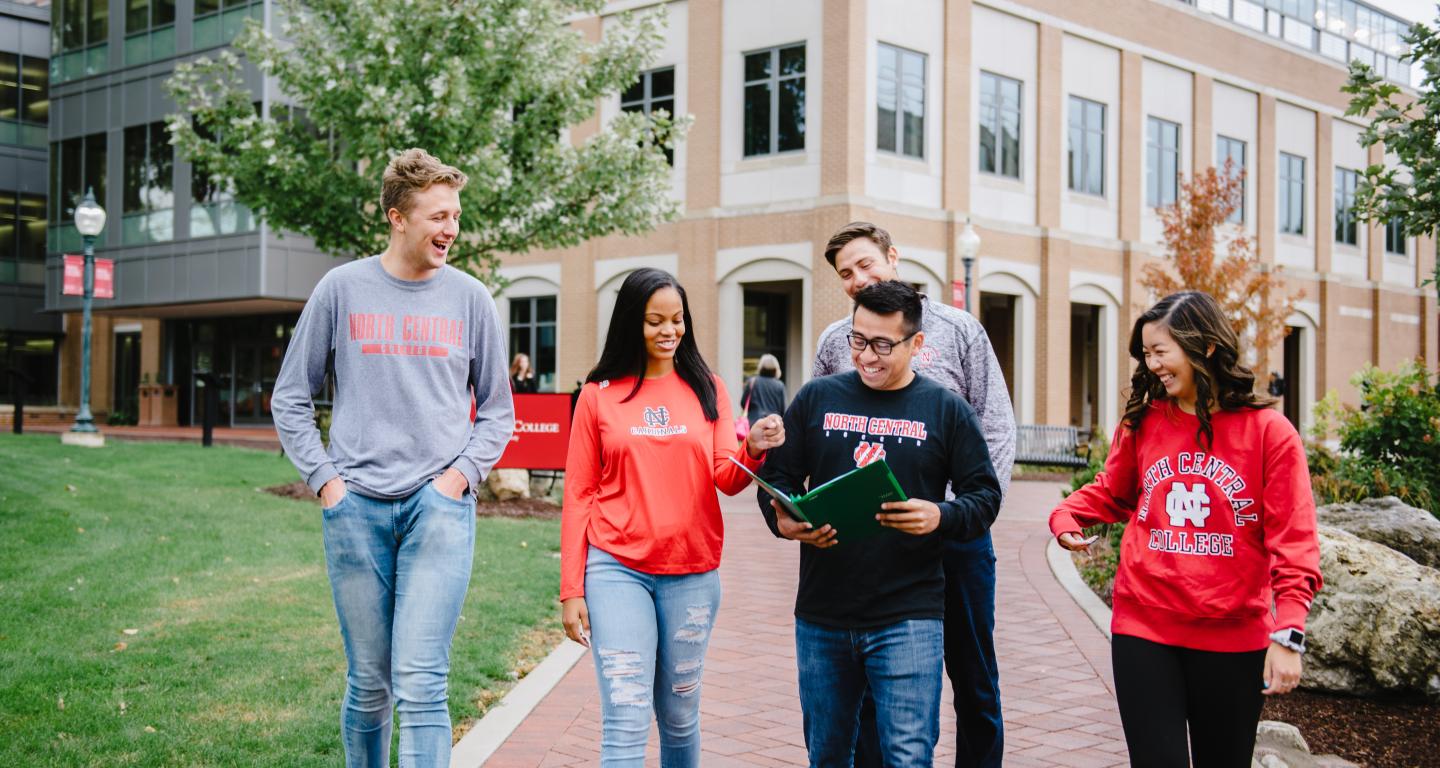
x,y
89,221
969,245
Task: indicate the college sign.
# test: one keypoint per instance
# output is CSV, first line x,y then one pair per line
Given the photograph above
x,y
542,433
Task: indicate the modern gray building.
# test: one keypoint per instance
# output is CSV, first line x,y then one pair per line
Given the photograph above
x,y
200,283
29,339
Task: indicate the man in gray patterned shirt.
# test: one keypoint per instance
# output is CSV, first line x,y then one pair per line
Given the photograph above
x,y
957,355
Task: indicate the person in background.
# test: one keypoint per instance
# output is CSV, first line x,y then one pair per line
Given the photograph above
x,y
641,532
1220,559
522,376
764,393
958,356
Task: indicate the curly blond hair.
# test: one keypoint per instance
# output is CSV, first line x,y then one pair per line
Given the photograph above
x,y
412,171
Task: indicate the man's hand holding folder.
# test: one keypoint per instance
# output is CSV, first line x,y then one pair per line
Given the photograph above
x,y
801,531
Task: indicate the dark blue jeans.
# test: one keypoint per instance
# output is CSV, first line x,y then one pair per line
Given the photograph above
x,y
898,663
969,660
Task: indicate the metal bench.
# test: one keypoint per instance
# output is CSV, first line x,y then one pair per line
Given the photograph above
x,y
1049,445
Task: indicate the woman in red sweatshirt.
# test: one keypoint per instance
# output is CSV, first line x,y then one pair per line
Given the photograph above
x,y
1219,561
641,532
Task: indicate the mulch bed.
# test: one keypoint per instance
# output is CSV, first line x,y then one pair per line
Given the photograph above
x,y
1378,734
515,508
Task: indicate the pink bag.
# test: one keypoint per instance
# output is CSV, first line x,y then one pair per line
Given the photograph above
x,y
742,424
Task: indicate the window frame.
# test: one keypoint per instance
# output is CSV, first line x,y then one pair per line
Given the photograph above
x,y
997,130
773,81
153,134
534,325
1155,151
1223,153
1346,224
646,102
901,147
1395,232
1290,183
1085,130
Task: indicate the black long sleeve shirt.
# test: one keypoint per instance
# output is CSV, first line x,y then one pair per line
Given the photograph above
x,y
930,437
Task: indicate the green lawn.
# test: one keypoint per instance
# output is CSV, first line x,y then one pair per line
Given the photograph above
x,y
218,592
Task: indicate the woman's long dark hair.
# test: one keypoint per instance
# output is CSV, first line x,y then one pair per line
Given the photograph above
x,y
625,353
1196,322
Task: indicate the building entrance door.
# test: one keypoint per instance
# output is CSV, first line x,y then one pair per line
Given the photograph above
x,y
126,392
1292,373
257,364
767,325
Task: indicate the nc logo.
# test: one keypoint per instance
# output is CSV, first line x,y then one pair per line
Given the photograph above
x,y
1187,505
867,452
657,417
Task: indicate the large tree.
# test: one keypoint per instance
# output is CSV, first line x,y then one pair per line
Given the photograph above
x,y
1408,128
486,85
1251,293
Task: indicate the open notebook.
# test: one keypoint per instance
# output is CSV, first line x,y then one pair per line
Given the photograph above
x,y
848,503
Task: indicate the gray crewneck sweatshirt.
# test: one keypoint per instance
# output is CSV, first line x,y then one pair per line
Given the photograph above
x,y
407,355
957,354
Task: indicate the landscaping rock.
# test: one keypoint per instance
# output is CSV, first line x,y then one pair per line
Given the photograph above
x,y
1375,626
1391,522
1280,745
509,484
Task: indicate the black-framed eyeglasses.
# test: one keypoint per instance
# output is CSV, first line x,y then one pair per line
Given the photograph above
x,y
882,347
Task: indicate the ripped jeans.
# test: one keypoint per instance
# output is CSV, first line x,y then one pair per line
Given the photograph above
x,y
648,635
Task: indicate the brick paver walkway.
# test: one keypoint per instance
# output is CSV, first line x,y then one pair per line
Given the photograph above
x,y
1055,677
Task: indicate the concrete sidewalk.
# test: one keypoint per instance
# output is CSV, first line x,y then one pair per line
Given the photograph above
x,y
1055,676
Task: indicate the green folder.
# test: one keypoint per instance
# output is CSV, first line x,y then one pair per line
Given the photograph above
x,y
847,503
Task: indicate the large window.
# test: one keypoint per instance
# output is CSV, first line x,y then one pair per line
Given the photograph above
x,y
532,333
217,22
76,165
1292,194
999,125
24,100
149,186
22,238
149,30
1162,162
213,207
775,100
655,90
78,31
900,102
1231,153
38,357
1395,236
1346,230
1087,146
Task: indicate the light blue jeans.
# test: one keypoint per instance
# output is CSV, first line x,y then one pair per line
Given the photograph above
x,y
399,569
648,635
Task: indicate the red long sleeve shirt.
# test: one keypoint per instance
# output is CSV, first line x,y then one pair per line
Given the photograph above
x,y
640,479
1213,537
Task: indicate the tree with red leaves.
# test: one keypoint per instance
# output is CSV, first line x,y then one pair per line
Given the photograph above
x,y
1251,293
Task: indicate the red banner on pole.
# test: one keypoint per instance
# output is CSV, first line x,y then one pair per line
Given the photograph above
x,y
104,278
957,293
73,282
542,433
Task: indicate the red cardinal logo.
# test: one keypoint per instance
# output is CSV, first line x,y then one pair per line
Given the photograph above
x,y
867,452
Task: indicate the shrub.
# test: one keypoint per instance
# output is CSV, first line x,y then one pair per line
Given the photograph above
x,y
1389,445
1098,568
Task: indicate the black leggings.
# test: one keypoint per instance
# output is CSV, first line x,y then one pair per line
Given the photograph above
x,y
1162,687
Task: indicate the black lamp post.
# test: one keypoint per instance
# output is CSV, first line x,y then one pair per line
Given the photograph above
x,y
89,221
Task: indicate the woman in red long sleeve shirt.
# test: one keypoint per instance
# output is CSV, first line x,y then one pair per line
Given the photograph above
x,y
641,532
1215,491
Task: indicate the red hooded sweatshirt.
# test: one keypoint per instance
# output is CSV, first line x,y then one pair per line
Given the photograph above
x,y
1213,537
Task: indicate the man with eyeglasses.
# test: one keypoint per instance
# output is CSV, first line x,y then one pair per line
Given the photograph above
x,y
958,356
868,614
